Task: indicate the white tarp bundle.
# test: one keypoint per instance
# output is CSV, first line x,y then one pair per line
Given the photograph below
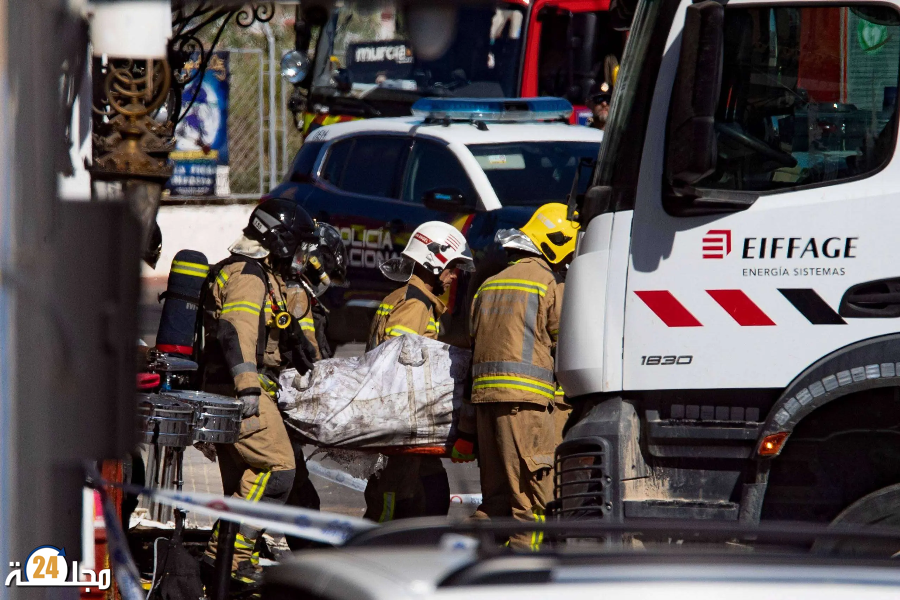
x,y
406,392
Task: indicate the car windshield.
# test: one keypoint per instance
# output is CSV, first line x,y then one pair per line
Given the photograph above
x,y
534,173
369,41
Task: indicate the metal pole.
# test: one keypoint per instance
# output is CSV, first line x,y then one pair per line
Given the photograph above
x,y
273,142
262,156
179,484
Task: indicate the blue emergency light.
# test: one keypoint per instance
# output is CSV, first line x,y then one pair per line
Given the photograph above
x,y
509,110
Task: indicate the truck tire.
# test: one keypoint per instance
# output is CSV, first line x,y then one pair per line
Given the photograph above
x,y
880,509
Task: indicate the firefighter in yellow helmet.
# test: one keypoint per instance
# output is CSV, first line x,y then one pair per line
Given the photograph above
x,y
514,323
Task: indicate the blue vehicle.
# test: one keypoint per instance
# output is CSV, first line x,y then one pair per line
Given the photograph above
x,y
481,165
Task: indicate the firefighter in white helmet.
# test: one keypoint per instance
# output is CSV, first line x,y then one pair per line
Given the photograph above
x,y
413,486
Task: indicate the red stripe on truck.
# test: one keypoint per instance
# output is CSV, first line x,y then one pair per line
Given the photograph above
x,y
741,308
668,309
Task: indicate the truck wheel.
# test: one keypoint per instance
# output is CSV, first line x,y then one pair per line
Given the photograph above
x,y
880,509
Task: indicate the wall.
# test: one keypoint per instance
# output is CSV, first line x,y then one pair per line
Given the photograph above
x,y
208,229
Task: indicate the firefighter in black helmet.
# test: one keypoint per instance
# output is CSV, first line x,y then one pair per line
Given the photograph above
x,y
246,320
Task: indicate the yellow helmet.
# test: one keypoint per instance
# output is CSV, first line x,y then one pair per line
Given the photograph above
x,y
552,232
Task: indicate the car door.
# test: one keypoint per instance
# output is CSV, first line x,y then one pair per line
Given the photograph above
x,y
357,191
806,127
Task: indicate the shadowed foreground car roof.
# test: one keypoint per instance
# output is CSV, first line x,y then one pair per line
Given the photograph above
x,y
429,572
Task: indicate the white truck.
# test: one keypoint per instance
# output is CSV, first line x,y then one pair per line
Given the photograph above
x,y
729,332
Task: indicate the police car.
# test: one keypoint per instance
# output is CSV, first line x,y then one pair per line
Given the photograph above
x,y
481,165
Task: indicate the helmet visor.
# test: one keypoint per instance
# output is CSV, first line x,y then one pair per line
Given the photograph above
x,y
463,262
398,269
333,252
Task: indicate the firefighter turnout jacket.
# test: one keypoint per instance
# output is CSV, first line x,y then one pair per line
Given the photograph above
x,y
411,309
515,321
242,341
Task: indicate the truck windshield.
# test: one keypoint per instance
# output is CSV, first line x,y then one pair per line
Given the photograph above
x,y
533,173
625,91
579,51
368,40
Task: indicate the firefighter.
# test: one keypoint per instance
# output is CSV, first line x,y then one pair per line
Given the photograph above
x,y
599,105
246,319
414,486
326,266
514,323
599,101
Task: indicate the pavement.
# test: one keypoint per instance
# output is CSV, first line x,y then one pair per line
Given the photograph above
x,y
202,475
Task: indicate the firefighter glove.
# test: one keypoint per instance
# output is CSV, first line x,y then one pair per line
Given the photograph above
x,y
249,405
463,449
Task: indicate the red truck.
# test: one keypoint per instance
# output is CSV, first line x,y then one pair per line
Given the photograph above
x,y
364,66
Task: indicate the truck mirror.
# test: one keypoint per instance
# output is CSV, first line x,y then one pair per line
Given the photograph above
x,y
575,199
691,136
446,199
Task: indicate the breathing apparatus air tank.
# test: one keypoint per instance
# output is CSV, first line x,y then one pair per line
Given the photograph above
x,y
182,301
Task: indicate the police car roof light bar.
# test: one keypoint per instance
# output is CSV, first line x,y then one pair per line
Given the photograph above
x,y
509,110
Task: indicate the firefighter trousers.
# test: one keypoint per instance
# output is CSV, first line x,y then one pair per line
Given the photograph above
x,y
408,486
260,467
516,443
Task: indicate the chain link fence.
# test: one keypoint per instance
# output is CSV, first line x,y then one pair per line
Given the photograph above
x,y
246,118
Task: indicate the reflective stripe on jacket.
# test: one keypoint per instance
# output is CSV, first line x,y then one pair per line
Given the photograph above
x,y
411,309
514,322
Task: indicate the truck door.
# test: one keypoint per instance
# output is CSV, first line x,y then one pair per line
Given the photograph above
x,y
787,249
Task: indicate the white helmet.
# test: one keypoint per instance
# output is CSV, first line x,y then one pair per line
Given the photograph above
x,y
436,246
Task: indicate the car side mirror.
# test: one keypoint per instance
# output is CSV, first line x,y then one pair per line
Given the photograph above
x,y
446,199
691,137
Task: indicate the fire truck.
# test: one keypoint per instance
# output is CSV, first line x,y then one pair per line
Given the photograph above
x,y
729,329
364,65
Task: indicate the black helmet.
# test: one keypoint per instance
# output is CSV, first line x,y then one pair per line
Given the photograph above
x,y
154,247
280,226
330,257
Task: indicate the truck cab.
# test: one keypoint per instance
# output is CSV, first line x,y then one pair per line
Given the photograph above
x,y
729,331
365,65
